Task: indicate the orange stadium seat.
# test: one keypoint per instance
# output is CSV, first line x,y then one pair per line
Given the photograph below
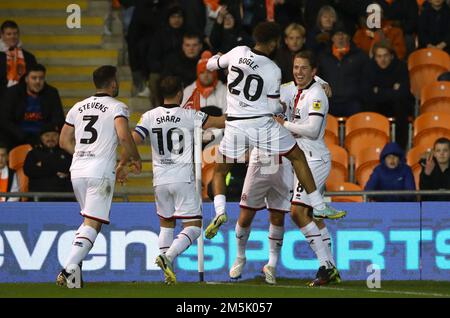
x,y
344,186
339,164
332,131
435,97
366,129
424,66
366,160
16,160
430,126
208,165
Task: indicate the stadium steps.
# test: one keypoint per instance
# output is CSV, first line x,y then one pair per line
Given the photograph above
x,y
71,55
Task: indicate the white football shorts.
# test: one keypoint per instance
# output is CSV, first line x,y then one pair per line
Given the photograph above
x,y
263,133
178,201
268,189
320,170
94,196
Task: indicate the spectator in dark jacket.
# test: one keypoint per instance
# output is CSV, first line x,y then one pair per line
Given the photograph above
x,y
319,37
294,40
47,166
226,34
392,174
434,25
385,84
435,174
14,60
405,15
165,42
341,65
184,62
28,106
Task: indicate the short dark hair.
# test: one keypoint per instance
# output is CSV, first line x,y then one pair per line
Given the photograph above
x,y
193,35
170,86
36,68
104,75
383,45
442,140
266,32
307,55
9,24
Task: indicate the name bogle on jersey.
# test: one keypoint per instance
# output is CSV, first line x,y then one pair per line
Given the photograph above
x,y
249,62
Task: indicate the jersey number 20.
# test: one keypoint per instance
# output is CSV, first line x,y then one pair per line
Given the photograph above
x,y
248,82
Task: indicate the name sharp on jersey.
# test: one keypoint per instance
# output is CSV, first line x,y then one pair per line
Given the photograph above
x,y
166,119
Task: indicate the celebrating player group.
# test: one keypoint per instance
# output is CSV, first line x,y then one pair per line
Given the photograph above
x,y
282,126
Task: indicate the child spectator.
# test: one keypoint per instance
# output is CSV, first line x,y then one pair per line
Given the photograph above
x,y
435,174
391,174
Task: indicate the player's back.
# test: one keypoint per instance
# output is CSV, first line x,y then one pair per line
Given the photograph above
x,y
95,135
170,129
252,79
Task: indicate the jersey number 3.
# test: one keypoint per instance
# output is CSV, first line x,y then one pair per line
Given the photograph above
x,y
248,82
90,128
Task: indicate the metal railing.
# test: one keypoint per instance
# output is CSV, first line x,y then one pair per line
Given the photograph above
x,y
125,195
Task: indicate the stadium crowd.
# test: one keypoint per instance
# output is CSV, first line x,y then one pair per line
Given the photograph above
x,y
365,65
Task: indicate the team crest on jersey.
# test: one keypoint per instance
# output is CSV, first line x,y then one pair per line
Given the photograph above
x,y
244,197
317,105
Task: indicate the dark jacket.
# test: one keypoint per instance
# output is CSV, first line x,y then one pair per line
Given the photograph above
x,y
405,12
43,177
435,181
285,61
29,60
384,79
179,65
12,110
400,178
312,42
224,40
434,26
344,76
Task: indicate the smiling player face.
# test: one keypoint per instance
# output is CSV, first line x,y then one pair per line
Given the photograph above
x,y
303,72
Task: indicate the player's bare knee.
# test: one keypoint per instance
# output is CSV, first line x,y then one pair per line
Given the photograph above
x,y
169,223
276,218
197,223
246,217
93,223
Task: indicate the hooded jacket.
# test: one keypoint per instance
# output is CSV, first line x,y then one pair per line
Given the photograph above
x,y
384,178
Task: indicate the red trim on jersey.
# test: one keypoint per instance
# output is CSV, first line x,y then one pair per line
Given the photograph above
x,y
275,239
93,218
250,208
199,217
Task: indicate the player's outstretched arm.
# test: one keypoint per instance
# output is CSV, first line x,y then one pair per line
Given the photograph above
x,y
309,128
67,139
215,121
216,62
130,152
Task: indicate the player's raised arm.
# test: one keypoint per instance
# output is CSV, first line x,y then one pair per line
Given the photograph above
x,y
217,62
67,138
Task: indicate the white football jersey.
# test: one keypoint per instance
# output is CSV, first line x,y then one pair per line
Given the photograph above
x,y
311,102
171,132
95,135
252,79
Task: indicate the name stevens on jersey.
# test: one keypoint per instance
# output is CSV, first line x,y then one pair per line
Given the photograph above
x,y
167,119
248,62
96,105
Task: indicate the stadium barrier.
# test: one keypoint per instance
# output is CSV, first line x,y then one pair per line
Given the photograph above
x,y
406,241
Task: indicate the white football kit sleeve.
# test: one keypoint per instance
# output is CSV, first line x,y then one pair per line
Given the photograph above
x,y
253,96
171,132
93,164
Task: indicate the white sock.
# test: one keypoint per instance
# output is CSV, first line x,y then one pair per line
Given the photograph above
x,y
316,200
326,239
165,239
81,245
242,235
183,241
219,204
314,238
275,242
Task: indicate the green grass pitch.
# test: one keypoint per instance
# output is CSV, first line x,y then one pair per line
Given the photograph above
x,y
255,288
